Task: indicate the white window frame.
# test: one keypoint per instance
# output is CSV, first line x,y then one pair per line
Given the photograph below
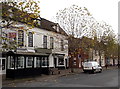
x,y
58,62
22,62
35,62
45,61
27,62
30,39
9,62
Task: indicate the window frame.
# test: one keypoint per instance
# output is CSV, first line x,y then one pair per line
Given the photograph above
x,y
45,41
37,62
51,43
11,62
44,59
59,59
30,39
62,45
23,58
21,40
27,58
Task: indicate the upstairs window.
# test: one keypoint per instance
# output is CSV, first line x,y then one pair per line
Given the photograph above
x,y
62,45
45,41
21,38
30,39
57,28
51,43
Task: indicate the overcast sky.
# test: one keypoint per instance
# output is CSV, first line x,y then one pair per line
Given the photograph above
x,y
102,10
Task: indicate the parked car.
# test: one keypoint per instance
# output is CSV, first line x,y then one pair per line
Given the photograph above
x,y
91,67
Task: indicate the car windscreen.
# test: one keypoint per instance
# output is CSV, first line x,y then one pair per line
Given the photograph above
x,y
87,64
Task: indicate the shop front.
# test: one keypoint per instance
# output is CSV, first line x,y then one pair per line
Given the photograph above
x,y
26,64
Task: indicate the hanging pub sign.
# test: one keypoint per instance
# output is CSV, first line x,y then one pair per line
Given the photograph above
x,y
12,35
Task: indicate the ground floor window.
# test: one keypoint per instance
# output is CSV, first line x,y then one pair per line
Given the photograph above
x,y
11,62
60,61
44,61
29,62
20,63
38,62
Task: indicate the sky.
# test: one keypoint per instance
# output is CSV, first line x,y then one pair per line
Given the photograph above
x,y
101,10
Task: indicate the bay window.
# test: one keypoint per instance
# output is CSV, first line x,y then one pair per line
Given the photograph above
x,y
20,62
29,62
11,62
38,62
44,62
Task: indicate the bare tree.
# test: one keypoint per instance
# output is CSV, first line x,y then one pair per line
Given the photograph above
x,y
76,21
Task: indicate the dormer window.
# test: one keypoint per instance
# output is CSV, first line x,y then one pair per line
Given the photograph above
x,y
57,28
54,27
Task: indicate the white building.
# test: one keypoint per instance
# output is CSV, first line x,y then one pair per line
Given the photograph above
x,y
43,46
49,40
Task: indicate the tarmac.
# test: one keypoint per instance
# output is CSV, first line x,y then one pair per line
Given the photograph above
x,y
44,77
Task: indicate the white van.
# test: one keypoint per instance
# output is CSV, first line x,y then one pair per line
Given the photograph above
x,y
91,67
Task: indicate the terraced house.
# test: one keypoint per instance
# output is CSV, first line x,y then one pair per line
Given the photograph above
x,y
32,50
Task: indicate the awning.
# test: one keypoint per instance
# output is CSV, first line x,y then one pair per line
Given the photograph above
x,y
26,53
32,54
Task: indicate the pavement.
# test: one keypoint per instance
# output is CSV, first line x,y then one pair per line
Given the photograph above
x,y
43,77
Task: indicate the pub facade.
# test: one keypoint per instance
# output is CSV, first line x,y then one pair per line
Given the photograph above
x,y
30,51
39,50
